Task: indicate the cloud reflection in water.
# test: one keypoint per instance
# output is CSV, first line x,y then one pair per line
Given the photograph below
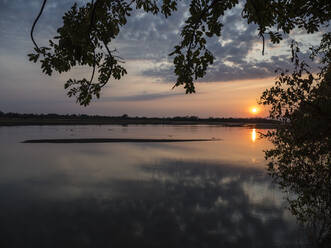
x,y
183,204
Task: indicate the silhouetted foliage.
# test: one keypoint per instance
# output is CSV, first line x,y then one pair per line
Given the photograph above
x,y
301,158
88,31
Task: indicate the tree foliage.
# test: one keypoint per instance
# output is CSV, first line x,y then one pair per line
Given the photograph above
x,y
88,31
301,158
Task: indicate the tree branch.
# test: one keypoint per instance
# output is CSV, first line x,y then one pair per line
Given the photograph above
x,y
34,24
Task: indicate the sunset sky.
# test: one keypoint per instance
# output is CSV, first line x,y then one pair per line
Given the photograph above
x,y
230,89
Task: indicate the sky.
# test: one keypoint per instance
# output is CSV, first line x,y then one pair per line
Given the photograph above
x,y
230,89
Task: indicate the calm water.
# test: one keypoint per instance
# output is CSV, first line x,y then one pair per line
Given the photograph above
x,y
197,194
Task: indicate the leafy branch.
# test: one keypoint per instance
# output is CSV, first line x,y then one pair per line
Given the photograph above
x,y
87,33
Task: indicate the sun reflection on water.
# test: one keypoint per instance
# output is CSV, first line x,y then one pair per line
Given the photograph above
x,y
253,135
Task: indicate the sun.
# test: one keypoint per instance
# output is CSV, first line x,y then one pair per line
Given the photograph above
x,y
254,110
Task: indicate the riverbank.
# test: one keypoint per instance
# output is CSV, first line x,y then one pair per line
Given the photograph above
x,y
127,121
17,119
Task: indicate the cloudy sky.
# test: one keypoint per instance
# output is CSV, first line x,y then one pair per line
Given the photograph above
x,y
232,86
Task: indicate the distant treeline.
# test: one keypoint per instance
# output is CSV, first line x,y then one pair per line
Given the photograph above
x,y
77,117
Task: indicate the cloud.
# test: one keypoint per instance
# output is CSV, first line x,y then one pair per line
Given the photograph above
x,y
140,97
230,51
150,37
238,54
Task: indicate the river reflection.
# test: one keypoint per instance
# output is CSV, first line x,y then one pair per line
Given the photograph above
x,y
253,134
146,195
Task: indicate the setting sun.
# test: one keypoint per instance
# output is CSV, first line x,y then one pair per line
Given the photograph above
x,y
254,110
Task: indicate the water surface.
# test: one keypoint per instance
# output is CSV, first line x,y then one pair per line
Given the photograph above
x,y
192,194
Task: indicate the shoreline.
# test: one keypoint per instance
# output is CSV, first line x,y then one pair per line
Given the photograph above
x,y
125,122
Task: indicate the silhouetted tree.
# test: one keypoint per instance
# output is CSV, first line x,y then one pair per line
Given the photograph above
x,y
301,157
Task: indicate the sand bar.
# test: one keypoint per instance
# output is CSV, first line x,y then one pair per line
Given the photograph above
x,y
115,140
